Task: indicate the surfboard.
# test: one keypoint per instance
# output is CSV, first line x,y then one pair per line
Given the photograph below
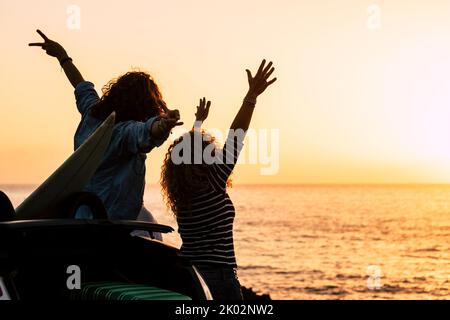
x,y
72,176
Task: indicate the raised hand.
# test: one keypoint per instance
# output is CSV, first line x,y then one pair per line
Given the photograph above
x,y
52,48
202,110
259,82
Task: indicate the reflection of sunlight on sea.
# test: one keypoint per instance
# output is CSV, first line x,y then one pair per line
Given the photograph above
x,y
316,242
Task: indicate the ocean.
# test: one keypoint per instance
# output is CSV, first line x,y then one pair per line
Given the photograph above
x,y
333,242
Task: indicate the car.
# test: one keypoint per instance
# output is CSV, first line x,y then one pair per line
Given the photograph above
x,y
98,259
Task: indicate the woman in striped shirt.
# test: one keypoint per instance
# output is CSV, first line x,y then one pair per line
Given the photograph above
x,y
194,179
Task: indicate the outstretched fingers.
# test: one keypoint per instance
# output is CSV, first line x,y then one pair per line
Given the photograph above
x,y
260,81
40,44
208,105
201,105
267,75
271,81
37,44
267,72
203,109
261,67
42,35
267,68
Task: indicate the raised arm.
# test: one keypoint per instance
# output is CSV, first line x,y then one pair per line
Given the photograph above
x,y
257,85
54,49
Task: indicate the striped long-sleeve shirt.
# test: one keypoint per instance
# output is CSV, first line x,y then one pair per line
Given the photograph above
x,y
206,227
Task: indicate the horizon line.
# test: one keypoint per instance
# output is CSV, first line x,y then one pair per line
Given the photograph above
x,y
289,184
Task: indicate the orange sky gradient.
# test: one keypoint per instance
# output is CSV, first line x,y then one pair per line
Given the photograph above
x,y
353,105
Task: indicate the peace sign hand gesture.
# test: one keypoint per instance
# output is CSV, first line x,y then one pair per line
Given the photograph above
x,y
52,48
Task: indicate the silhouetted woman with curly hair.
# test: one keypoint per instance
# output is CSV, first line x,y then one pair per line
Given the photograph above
x,y
194,181
143,122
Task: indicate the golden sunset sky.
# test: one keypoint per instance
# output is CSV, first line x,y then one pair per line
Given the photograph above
x,y
352,104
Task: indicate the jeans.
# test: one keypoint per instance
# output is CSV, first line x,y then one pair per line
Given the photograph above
x,y
223,282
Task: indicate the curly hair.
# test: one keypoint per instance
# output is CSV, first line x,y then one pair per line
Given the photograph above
x,y
179,182
133,96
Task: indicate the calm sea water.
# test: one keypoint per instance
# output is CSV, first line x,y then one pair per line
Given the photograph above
x,y
334,242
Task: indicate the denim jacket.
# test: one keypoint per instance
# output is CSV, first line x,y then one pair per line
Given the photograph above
x,y
120,180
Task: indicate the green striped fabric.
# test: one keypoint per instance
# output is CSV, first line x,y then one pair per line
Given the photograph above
x,y
125,291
